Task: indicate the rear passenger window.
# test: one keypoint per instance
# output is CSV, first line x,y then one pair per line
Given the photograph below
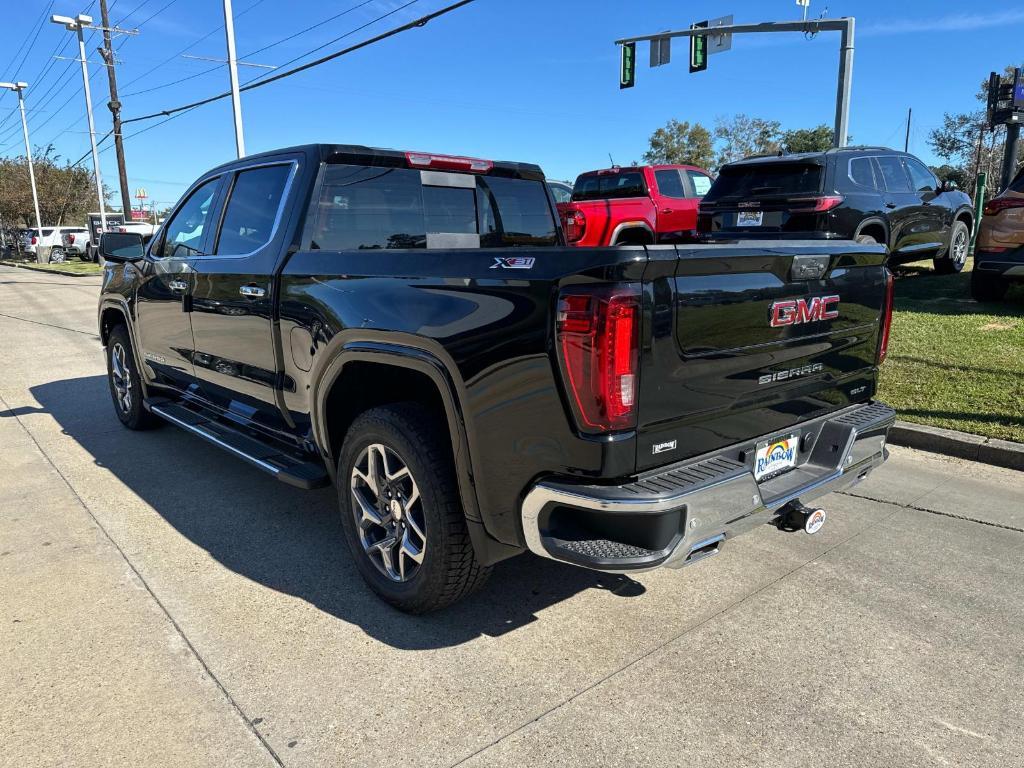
x,y
893,174
669,183
251,212
861,172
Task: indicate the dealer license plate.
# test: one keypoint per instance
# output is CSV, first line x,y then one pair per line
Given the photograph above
x,y
775,456
749,218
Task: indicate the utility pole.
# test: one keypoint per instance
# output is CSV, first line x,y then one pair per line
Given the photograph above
x,y
76,25
236,99
906,141
107,52
19,88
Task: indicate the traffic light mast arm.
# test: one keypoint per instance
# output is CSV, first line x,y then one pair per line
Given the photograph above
x,y
844,25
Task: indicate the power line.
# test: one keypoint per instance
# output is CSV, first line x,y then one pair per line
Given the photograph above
x,y
256,83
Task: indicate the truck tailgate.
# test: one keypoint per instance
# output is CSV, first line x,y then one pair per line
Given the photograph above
x,y
750,339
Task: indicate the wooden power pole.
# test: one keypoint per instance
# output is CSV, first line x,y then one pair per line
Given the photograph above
x,y
107,52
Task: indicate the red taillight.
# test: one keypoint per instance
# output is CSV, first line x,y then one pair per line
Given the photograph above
x,y
816,204
71,239
1000,204
890,291
598,338
574,224
33,240
448,162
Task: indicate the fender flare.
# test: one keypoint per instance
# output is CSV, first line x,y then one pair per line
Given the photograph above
x,y
120,304
410,352
625,225
875,221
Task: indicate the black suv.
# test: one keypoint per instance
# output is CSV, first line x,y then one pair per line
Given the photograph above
x,y
867,194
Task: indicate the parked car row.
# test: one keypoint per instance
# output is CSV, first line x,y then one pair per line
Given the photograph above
x,y
54,239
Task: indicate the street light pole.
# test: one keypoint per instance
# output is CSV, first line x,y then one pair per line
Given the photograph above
x,y
77,25
19,88
236,99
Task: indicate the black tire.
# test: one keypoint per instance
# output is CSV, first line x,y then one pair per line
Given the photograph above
x,y
449,569
988,287
57,255
130,411
84,256
955,258
866,240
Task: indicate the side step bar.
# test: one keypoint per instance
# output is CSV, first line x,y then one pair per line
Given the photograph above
x,y
285,467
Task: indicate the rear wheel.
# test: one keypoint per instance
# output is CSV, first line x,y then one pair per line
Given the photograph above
x,y
866,240
985,287
956,255
57,255
125,384
401,512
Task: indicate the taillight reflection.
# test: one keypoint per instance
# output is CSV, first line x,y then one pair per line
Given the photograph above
x,y
890,295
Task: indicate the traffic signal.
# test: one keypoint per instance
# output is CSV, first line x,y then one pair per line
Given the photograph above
x,y
699,49
627,70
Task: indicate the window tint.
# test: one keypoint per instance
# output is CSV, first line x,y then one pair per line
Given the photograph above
x,y
47,232
184,233
921,177
514,212
669,183
363,207
597,186
1017,185
701,182
892,173
252,209
768,179
862,173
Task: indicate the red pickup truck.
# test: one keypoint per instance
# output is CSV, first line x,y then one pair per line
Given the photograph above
x,y
639,205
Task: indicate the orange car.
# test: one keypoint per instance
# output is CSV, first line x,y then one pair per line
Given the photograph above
x,y
999,252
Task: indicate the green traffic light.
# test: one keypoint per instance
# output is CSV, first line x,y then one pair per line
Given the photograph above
x,y
627,72
698,49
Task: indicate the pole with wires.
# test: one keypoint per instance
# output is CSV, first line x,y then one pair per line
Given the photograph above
x,y
107,52
77,25
236,99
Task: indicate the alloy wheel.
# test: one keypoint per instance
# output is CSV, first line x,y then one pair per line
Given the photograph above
x,y
960,247
121,378
388,512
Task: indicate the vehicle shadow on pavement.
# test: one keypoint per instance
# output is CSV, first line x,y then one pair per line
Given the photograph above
x,y
291,540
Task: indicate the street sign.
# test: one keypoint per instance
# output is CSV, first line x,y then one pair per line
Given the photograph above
x,y
723,42
1018,90
661,51
804,3
698,49
627,68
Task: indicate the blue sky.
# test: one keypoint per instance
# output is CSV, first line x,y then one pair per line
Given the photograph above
x,y
532,80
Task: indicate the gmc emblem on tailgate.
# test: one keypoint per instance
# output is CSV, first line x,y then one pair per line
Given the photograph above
x,y
797,311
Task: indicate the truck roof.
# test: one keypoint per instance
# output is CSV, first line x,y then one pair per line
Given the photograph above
x,y
804,157
358,154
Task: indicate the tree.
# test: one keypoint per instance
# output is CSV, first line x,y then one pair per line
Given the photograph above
x,y
743,136
808,139
953,173
681,144
66,193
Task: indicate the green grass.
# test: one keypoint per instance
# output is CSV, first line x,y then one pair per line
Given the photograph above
x,y
953,362
75,266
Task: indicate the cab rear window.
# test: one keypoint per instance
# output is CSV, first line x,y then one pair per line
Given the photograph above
x,y
365,207
600,186
767,180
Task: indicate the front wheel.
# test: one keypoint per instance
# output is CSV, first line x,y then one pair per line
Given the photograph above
x,y
956,254
401,512
125,384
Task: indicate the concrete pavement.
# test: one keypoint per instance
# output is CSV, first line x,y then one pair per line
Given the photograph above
x,y
166,604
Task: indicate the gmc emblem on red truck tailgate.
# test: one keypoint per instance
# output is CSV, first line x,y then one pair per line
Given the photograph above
x,y
797,311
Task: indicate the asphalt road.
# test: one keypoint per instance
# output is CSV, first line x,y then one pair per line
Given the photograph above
x,y
163,604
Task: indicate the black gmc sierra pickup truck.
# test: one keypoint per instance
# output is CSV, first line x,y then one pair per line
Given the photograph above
x,y
412,328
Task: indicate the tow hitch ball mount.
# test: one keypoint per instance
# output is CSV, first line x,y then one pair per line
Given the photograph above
x,y
795,516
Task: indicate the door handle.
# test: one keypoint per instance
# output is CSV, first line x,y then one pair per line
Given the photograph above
x,y
178,286
890,205
252,291
667,210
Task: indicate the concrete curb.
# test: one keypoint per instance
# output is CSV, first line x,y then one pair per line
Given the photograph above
x,y
36,268
949,442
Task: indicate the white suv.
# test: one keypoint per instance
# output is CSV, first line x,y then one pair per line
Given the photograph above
x,y
54,238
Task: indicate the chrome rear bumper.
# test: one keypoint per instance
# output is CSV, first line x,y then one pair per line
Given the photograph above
x,y
685,512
